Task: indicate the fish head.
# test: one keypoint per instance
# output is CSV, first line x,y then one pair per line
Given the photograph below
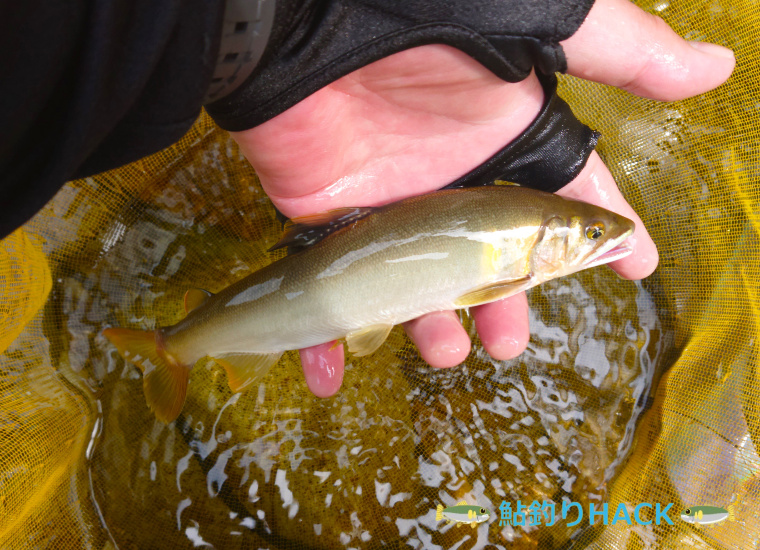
x,y
688,515
482,515
576,235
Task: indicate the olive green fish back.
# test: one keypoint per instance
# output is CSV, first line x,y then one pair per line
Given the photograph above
x,y
629,393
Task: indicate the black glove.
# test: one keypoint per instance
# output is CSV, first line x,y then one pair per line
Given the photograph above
x,y
315,42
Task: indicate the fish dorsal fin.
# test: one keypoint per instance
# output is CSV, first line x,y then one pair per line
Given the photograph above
x,y
304,231
366,340
462,503
244,368
493,291
195,297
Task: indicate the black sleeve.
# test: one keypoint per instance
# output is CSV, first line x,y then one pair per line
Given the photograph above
x,y
315,42
89,86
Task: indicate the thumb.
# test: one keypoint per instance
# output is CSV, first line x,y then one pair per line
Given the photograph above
x,y
623,46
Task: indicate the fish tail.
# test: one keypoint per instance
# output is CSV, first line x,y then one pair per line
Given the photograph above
x,y
730,512
164,378
439,513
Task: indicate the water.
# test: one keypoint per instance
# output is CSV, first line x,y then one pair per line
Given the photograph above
x,y
276,467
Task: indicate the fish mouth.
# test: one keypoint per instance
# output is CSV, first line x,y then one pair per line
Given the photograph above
x,y
618,250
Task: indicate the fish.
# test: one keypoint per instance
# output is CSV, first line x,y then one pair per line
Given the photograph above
x,y
356,272
462,514
707,514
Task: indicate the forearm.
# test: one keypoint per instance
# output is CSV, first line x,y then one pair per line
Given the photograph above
x,y
92,86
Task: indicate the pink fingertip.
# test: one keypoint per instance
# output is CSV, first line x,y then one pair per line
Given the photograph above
x,y
323,367
441,339
503,326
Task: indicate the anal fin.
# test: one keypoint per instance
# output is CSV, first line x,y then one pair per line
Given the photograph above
x,y
493,291
366,340
245,368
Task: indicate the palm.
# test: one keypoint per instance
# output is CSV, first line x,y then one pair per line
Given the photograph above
x,y
403,126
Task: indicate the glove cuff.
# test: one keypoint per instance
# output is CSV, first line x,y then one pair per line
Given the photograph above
x,y
548,155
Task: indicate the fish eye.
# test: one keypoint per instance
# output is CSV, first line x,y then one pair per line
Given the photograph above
x,y
595,230
687,511
482,510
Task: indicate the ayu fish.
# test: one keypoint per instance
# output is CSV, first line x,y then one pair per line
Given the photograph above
x,y
360,271
704,515
462,514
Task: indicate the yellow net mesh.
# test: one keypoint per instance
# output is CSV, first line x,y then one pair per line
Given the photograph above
x,y
629,392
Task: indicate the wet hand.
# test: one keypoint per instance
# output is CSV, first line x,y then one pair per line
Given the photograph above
x,y
413,122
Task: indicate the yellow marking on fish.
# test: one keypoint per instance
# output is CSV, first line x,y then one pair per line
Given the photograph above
x,y
490,260
495,257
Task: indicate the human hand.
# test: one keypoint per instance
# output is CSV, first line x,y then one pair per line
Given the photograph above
x,y
415,121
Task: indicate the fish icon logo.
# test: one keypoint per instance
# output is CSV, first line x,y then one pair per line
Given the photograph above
x,y
707,514
462,514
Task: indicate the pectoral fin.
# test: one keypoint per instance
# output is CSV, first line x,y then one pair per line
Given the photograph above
x,y
244,368
194,298
493,291
366,340
335,345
